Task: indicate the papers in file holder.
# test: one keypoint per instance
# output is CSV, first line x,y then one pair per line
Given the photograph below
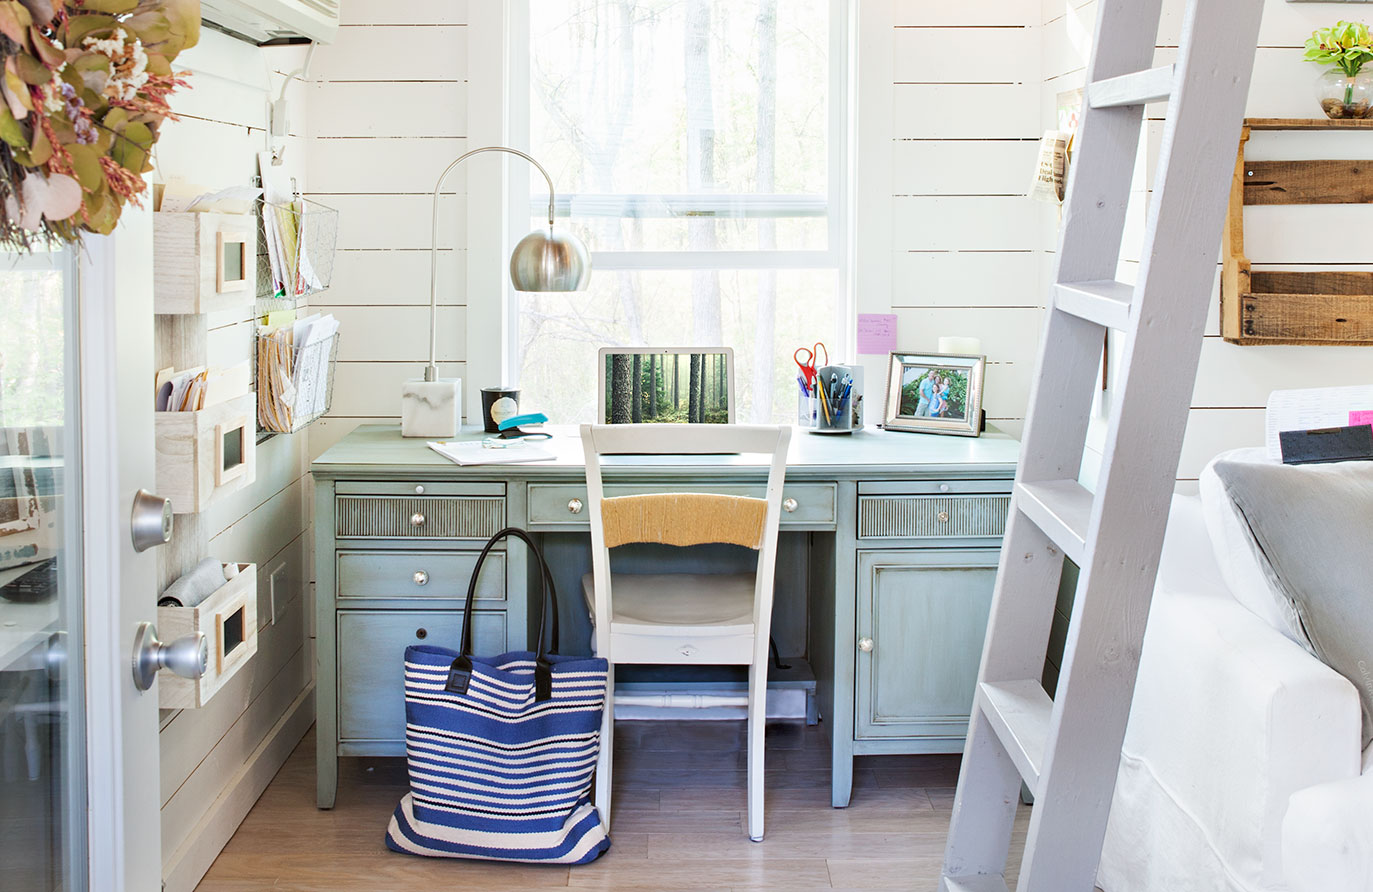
x,y
296,245
295,373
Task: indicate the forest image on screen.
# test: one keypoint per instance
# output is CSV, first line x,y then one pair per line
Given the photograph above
x,y
666,388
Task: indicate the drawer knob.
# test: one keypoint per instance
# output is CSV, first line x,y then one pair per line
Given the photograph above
x,y
421,634
865,645
417,519
943,487
789,505
421,577
574,506
943,516
419,490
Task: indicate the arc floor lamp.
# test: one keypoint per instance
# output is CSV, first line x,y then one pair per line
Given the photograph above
x,y
545,260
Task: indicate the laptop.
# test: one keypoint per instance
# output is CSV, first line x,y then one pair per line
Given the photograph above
x,y
665,385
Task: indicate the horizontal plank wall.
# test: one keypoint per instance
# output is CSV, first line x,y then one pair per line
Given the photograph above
x,y
388,112
215,761
948,127
1233,382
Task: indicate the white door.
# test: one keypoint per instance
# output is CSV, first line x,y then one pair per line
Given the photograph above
x,y
79,803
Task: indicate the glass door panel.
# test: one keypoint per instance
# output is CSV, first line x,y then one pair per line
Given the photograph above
x,y
42,751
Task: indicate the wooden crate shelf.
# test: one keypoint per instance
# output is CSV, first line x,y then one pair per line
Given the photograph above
x,y
203,262
207,454
229,620
1308,307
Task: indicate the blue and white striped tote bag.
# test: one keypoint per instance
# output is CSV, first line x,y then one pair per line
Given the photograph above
x,y
501,751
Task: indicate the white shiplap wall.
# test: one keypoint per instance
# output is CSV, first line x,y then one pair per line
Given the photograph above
x,y
948,126
388,112
1233,382
215,761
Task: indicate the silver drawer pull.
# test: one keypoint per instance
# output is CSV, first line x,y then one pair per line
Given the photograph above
x,y
789,505
419,490
421,577
574,506
417,519
943,516
865,645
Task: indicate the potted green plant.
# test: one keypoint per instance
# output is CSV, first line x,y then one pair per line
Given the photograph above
x,y
1346,90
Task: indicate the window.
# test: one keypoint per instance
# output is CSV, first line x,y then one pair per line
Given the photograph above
x,y
694,147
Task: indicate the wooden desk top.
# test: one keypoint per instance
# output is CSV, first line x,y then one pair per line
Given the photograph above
x,y
379,451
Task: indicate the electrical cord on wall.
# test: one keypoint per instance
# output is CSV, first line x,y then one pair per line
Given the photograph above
x,y
278,119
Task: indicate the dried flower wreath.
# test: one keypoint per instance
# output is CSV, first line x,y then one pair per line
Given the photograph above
x,y
84,90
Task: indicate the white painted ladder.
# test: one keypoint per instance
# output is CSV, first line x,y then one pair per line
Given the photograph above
x,y
1067,750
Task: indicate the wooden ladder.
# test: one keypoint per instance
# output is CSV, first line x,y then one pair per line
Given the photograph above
x,y
1067,749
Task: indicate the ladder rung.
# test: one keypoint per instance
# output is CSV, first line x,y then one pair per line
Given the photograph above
x,y
1019,711
1136,88
983,883
1107,302
1062,509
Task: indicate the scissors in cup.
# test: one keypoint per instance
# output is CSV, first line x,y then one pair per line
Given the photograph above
x,y
806,360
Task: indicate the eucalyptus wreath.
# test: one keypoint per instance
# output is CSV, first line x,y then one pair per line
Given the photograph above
x,y
83,93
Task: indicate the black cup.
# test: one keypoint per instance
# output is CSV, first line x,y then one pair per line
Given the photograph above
x,y
492,399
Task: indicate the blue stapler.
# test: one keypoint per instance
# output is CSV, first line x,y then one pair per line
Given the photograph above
x,y
510,427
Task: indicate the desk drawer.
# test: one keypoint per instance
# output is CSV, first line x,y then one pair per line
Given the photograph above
x,y
371,662
932,516
418,574
565,504
418,517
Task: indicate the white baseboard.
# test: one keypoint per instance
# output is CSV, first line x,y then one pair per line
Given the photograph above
x,y
184,868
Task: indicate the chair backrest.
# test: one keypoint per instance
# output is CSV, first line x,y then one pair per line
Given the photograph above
x,y
677,518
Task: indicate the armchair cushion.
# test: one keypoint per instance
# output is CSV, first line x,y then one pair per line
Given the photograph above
x,y
1312,526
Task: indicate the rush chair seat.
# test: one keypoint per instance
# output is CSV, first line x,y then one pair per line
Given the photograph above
x,y
684,618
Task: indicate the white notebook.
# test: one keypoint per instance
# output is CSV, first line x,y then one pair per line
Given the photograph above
x,y
472,452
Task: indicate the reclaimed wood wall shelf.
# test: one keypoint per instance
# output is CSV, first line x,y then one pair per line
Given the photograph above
x,y
1310,307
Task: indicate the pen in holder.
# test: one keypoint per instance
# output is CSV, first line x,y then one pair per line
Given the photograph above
x,y
833,403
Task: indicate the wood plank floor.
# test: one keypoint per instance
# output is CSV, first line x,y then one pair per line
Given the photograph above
x,y
678,823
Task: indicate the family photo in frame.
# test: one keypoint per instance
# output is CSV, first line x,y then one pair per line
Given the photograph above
x,y
935,393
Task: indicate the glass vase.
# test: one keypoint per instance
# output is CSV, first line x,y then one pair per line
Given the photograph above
x,y
1343,96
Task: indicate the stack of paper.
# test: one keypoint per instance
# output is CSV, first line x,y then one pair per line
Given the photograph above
x,y
191,390
294,365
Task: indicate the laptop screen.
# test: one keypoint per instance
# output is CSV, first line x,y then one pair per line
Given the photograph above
x,y
679,385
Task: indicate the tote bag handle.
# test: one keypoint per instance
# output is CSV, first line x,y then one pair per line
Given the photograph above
x,y
460,673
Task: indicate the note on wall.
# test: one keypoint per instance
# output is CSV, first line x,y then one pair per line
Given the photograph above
x,y
876,333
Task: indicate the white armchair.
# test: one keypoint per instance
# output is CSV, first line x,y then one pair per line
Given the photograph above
x,y
1241,766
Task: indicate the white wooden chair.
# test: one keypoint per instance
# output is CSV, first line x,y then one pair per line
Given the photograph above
x,y
680,618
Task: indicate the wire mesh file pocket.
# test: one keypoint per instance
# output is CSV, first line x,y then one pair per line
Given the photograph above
x,y
295,387
295,248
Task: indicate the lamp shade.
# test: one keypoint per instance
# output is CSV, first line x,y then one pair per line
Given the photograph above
x,y
548,260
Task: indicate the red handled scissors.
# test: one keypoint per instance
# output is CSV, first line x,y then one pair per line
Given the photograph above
x,y
806,360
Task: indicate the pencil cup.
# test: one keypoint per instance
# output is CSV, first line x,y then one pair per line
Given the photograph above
x,y
838,392
806,409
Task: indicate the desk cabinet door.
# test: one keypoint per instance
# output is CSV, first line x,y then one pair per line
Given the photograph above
x,y
925,613
371,665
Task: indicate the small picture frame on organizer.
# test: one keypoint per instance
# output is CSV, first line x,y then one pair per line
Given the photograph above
x,y
934,393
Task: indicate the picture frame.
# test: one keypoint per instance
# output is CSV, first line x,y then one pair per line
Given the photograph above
x,y
934,393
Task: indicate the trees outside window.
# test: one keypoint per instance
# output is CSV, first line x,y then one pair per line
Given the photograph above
x,y
690,141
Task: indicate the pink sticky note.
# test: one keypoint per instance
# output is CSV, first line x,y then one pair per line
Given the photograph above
x,y
876,332
1363,417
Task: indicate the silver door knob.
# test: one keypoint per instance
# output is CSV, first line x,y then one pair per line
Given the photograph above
x,y
421,577
574,506
187,656
151,522
789,505
417,519
865,645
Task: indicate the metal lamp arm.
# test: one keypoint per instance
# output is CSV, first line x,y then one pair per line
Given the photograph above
x,y
431,372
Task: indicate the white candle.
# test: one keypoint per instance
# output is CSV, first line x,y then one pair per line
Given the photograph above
x,y
963,346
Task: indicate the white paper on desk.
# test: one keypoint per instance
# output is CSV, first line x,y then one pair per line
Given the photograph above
x,y
472,452
1319,407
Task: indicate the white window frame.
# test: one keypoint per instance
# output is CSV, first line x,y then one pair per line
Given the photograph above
x,y
498,42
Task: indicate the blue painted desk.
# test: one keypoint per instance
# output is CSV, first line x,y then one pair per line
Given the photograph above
x,y
885,573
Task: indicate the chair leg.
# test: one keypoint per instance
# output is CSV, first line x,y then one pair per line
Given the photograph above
x,y
757,716
606,755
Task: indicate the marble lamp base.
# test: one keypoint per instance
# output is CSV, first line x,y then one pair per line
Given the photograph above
x,y
431,409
